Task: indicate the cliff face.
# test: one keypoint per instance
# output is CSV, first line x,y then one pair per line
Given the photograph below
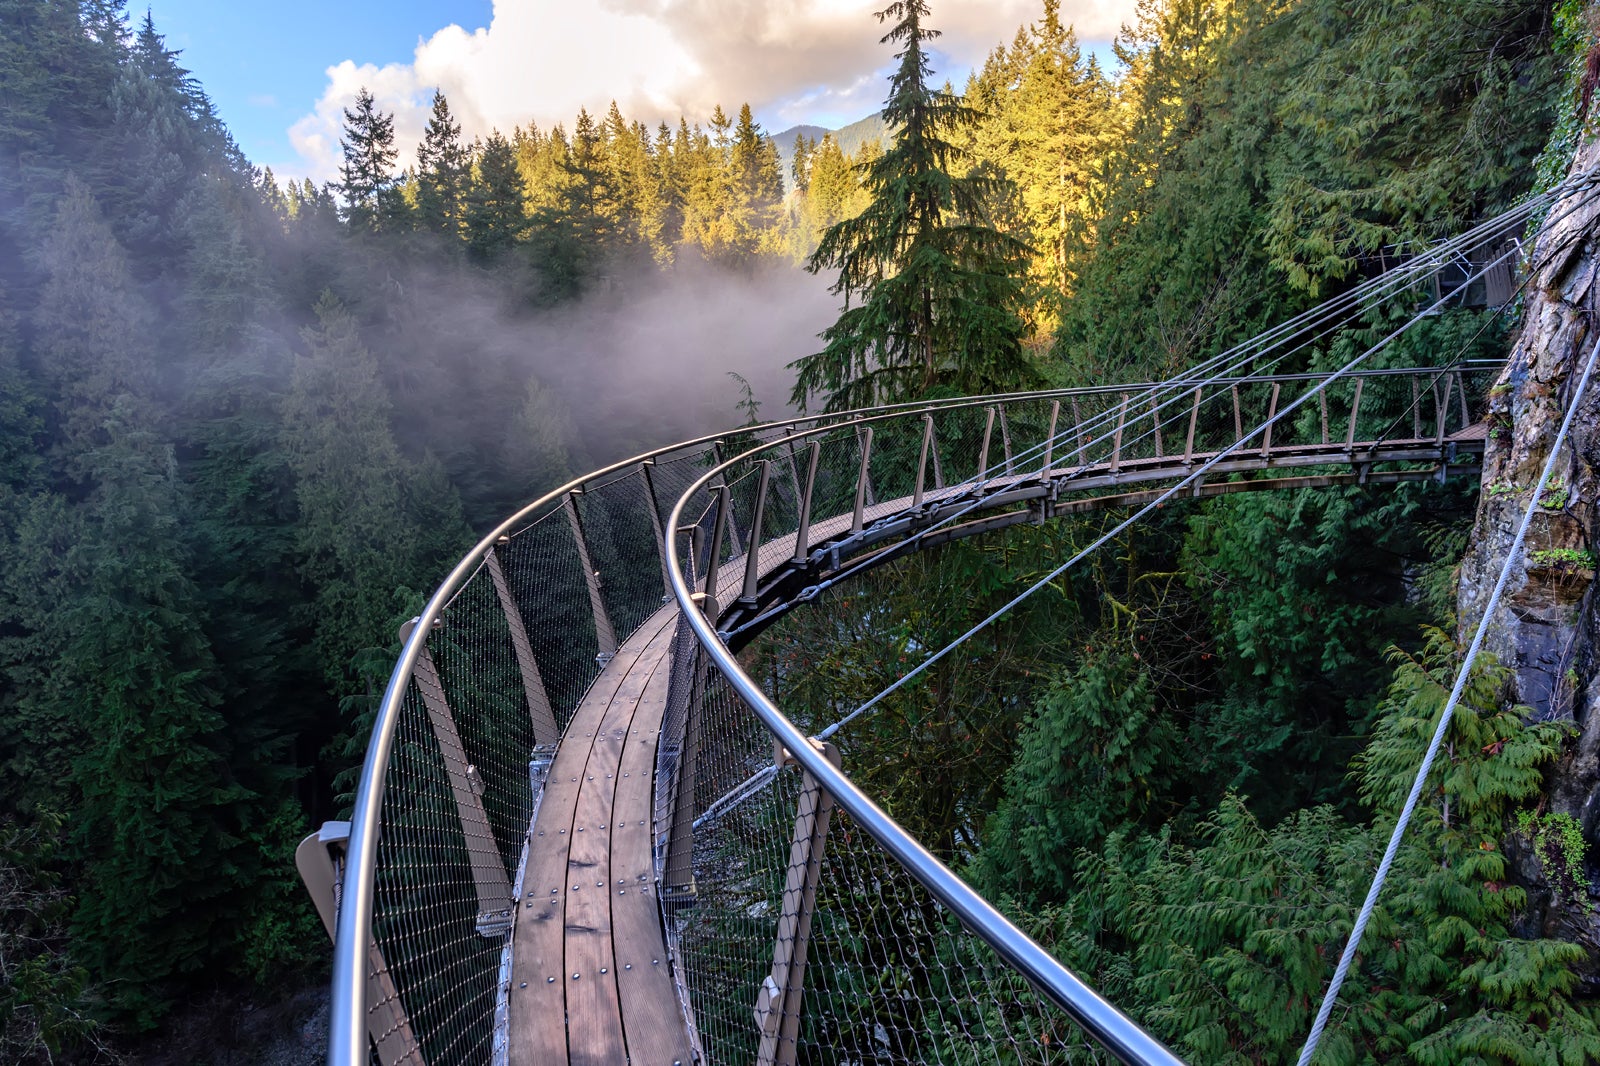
x,y
1547,626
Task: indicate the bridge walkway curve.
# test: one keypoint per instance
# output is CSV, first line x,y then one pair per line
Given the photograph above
x,y
589,946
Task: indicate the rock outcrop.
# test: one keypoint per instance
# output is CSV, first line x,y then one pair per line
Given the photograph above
x,y
1547,627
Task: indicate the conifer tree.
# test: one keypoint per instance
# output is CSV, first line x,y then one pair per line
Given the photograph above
x,y
367,180
494,216
443,169
939,286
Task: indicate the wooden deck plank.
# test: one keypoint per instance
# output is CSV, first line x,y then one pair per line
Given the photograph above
x,y
652,1019
538,1011
594,1011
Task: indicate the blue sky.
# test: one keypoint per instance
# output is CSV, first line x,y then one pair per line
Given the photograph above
x,y
281,73
263,64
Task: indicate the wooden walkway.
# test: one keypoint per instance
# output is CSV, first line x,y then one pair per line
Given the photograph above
x,y
590,978
591,982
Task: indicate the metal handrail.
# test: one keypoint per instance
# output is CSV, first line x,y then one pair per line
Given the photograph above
x,y
348,1037
347,1044
1123,1037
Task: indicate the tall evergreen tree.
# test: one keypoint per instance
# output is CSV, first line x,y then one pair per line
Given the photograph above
x,y
494,216
939,286
366,177
443,170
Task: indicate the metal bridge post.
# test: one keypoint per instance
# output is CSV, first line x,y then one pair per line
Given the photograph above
x,y
488,869
1440,408
983,452
1155,417
605,637
753,557
865,439
779,1000
802,534
1116,440
319,859
646,468
1238,420
677,871
857,520
539,712
1355,409
719,526
922,461
1272,412
1050,437
1005,439
1194,417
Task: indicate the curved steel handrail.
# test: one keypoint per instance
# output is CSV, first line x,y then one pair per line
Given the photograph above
x,y
1121,1035
347,1044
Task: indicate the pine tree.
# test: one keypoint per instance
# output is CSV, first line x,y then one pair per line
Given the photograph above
x,y
494,214
366,177
443,170
939,286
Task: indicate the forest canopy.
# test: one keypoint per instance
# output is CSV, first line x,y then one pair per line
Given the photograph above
x,y
246,425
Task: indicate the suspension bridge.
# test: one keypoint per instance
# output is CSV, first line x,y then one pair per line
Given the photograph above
x,y
583,832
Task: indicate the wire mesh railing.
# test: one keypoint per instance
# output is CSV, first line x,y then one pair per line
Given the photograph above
x,y
780,901
507,647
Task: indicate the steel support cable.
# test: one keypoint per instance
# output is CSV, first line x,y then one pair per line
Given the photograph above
x,y
1180,387
1119,1034
1199,472
1503,309
752,785
1527,206
1445,717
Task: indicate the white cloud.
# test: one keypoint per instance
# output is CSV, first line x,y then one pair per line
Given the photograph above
x,y
540,60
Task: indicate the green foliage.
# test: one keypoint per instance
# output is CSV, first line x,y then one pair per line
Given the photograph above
x,y
1562,558
1558,841
1089,762
939,287
47,1006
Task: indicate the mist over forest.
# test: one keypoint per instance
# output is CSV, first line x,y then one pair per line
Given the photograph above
x,y
246,426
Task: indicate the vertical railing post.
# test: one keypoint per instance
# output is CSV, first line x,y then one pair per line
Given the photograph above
x,y
387,1022
1116,440
922,460
1238,418
983,452
1050,438
1155,418
1355,409
1005,439
647,468
1268,425
466,786
1440,407
752,563
1194,417
719,527
1322,403
677,870
858,516
864,439
605,637
540,714
803,533
780,998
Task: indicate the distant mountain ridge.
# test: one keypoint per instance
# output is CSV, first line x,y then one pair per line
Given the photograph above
x,y
849,139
